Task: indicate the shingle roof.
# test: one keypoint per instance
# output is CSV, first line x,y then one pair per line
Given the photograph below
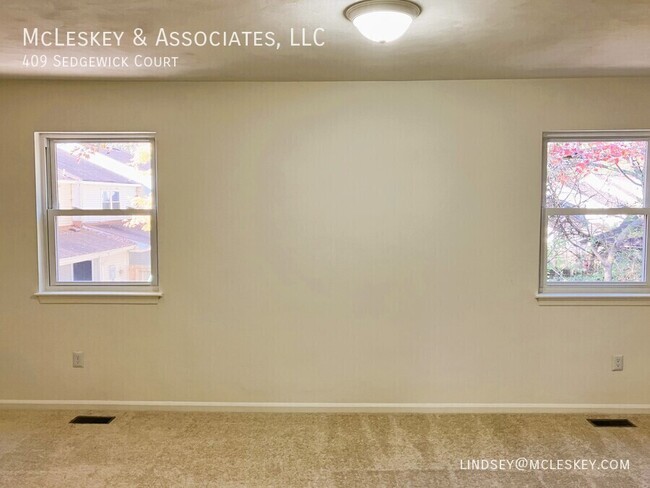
x,y
116,228
79,241
71,167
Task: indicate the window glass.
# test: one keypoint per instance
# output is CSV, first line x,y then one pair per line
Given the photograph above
x,y
594,226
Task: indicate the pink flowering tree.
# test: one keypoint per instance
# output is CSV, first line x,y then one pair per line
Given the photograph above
x,y
587,176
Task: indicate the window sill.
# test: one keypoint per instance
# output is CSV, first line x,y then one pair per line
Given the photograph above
x,y
593,299
146,298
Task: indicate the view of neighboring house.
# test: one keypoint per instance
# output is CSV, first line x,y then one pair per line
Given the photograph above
x,y
101,248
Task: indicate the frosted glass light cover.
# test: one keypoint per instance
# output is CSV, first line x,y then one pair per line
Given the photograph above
x,y
383,26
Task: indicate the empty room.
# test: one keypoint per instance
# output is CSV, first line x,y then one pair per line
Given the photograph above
x,y
286,244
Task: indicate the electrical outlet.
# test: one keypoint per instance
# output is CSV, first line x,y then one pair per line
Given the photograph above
x,y
78,359
617,362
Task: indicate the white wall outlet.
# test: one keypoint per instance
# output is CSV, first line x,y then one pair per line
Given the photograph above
x,y
78,359
617,362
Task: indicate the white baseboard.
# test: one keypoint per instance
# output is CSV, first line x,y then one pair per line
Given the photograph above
x,y
331,407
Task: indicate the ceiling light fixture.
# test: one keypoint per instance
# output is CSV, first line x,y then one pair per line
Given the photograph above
x,y
382,20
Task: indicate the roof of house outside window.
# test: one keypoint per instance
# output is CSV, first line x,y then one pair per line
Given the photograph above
x,y
71,167
80,241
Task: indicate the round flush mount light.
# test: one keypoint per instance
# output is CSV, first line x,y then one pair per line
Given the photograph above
x,y
382,20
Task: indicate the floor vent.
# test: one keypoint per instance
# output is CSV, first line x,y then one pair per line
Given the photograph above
x,y
91,419
611,423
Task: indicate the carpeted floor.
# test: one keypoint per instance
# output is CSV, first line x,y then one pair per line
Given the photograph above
x,y
227,450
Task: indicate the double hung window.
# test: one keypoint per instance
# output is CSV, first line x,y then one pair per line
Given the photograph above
x,y
595,214
97,212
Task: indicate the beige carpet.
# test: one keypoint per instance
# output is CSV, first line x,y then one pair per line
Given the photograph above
x,y
198,449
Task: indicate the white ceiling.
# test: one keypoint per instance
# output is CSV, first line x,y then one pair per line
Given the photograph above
x,y
452,39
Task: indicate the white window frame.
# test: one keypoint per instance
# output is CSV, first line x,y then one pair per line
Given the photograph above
x,y
51,291
591,290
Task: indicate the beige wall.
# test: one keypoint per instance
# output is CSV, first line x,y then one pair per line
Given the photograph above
x,y
324,242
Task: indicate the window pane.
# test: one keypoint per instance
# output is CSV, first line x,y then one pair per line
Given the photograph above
x,y
595,174
104,175
116,199
595,248
82,271
95,248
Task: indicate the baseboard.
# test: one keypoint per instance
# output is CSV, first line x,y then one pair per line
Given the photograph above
x,y
331,407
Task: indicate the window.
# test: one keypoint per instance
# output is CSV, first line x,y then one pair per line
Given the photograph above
x,y
97,213
110,199
594,214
